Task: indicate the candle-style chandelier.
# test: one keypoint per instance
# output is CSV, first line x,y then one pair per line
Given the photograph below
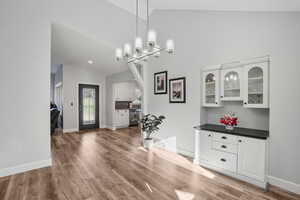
x,y
142,52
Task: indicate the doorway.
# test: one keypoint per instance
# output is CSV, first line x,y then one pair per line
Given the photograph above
x,y
88,106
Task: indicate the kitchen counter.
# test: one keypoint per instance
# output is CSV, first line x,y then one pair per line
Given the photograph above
x,y
246,132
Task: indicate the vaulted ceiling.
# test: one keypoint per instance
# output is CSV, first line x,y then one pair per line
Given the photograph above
x,y
221,5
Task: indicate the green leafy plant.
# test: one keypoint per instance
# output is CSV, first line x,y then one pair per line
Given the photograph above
x,y
150,124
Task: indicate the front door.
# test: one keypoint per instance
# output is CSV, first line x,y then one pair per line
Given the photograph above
x,y
88,106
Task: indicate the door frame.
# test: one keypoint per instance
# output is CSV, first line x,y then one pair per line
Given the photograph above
x,y
101,101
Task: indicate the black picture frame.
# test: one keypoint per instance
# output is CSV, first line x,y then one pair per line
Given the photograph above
x,y
165,83
171,90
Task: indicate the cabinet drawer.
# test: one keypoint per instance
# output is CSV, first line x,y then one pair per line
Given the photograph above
x,y
231,148
225,138
225,161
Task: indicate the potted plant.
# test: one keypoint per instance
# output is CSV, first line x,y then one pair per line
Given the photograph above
x,y
229,120
150,125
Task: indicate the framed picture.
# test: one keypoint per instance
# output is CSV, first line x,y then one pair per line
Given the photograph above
x,y
177,90
161,82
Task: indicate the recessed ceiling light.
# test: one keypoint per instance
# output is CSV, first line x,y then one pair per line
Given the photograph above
x,y
91,62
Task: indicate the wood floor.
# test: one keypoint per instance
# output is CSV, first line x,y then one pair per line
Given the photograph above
x,y
102,164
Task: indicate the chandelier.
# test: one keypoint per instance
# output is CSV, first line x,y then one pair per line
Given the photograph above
x,y
141,51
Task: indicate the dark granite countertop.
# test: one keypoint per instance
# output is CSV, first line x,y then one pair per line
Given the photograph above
x,y
246,132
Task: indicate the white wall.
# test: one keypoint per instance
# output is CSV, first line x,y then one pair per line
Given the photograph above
x,y
52,86
72,76
24,85
25,69
207,38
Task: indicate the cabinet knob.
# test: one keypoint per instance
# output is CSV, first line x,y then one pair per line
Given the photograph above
x,y
224,137
221,96
245,103
240,140
223,159
216,102
224,146
209,135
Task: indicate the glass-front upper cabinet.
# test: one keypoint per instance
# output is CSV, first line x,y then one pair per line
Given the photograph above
x,y
211,88
256,78
231,84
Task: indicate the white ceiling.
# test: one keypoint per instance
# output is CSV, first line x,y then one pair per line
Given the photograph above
x,y
68,46
221,5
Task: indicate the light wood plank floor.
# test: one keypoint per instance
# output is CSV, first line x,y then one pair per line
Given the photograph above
x,y
102,164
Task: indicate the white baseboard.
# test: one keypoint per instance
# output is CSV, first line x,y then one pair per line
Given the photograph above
x,y
286,185
185,152
25,167
70,130
111,127
103,126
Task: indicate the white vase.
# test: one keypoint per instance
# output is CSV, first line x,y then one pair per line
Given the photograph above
x,y
148,143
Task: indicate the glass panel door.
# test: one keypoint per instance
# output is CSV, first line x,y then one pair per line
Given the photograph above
x,y
232,87
88,106
89,102
255,86
210,89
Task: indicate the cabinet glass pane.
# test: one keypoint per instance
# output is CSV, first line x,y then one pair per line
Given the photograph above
x,y
89,106
210,88
232,84
255,86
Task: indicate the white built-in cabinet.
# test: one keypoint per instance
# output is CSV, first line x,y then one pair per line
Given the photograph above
x,y
232,84
124,91
256,84
240,157
252,158
121,118
246,81
211,88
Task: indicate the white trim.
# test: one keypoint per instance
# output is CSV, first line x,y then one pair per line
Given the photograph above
x,y
111,127
284,184
25,167
185,152
70,130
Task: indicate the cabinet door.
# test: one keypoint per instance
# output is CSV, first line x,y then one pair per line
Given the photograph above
x,y
211,89
251,158
206,146
116,118
256,85
231,84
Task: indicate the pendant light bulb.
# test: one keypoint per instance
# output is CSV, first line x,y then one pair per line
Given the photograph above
x,y
170,46
119,54
151,39
138,45
127,50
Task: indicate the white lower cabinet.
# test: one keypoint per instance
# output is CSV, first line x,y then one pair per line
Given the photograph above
x,y
252,156
206,146
121,118
241,157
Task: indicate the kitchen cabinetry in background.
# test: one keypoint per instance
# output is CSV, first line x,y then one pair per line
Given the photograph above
x,y
124,91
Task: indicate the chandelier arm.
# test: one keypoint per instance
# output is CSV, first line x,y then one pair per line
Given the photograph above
x,y
132,59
